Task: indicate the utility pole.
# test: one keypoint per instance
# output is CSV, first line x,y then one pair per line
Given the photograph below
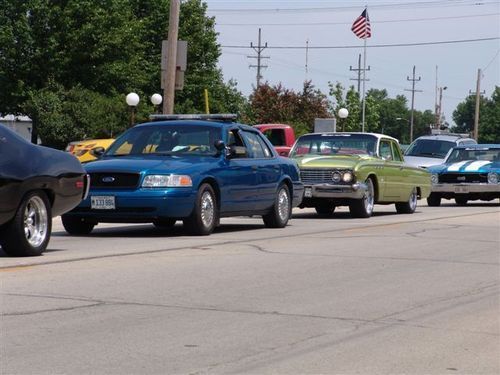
x,y
439,110
413,80
478,101
259,57
173,32
359,70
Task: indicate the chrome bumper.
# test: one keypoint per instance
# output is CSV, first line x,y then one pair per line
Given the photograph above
x,y
354,191
465,188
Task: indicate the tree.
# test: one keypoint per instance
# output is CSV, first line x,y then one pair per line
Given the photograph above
x,y
276,104
489,113
108,48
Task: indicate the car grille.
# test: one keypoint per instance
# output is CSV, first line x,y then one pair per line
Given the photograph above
x,y
114,180
319,176
450,178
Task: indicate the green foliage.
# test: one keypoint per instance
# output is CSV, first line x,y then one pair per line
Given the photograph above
x,y
275,104
489,115
60,48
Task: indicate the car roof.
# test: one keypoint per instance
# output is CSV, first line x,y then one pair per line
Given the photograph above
x,y
444,137
210,123
377,135
479,146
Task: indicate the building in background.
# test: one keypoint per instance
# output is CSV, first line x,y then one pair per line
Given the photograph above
x,y
22,125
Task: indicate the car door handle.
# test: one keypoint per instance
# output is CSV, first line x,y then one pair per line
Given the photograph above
x,y
254,167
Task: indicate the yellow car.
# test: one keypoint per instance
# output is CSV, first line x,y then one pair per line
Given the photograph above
x,y
81,149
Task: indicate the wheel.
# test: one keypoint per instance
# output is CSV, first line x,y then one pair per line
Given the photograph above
x,y
410,206
205,215
363,208
327,209
28,233
434,200
77,226
282,209
461,201
164,223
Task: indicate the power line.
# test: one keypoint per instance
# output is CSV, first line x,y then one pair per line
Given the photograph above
x,y
349,23
375,45
398,5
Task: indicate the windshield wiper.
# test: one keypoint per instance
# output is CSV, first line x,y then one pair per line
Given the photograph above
x,y
433,154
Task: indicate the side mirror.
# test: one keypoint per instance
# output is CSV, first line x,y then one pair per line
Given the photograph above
x,y
219,145
97,151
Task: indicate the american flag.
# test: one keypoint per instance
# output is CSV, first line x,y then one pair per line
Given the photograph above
x,y
361,26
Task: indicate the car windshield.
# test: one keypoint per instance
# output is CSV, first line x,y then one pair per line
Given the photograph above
x,y
168,139
473,154
335,144
431,148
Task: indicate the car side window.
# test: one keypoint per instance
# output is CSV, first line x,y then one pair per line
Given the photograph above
x,y
385,150
267,151
234,139
254,144
396,153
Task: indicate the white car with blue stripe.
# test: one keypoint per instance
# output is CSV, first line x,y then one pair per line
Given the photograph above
x,y
469,172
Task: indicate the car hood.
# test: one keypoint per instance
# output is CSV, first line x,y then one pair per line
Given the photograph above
x,y
470,166
160,164
329,161
422,161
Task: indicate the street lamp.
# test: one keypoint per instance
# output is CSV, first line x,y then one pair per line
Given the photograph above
x,y
156,99
343,113
132,100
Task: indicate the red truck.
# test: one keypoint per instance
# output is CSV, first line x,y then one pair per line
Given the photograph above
x,y
281,136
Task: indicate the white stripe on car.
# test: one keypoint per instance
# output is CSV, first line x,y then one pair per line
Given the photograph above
x,y
475,166
456,166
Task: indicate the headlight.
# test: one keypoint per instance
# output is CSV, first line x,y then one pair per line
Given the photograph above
x,y
161,181
336,177
434,178
493,178
347,177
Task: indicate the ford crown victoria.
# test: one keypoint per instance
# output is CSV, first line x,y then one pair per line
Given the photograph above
x,y
357,170
194,168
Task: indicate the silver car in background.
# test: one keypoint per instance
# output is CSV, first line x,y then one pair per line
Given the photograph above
x,y
432,149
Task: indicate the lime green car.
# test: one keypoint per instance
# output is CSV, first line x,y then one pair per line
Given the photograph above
x,y
357,170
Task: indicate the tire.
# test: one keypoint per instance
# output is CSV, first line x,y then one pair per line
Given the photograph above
x,y
28,233
281,211
461,201
205,215
410,206
363,208
77,226
434,200
326,209
164,223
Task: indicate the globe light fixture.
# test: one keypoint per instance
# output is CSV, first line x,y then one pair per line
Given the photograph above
x,y
343,113
132,100
156,99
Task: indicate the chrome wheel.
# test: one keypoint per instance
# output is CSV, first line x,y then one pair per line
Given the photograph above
x,y
283,204
35,220
369,197
207,209
413,200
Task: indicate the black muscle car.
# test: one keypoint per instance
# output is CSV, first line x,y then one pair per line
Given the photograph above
x,y
36,184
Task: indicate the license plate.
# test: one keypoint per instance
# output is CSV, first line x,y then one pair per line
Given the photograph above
x,y
461,189
106,202
308,192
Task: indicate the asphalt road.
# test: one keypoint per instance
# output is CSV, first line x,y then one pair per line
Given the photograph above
x,y
393,294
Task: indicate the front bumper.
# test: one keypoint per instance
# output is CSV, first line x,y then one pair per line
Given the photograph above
x,y
354,191
143,205
466,188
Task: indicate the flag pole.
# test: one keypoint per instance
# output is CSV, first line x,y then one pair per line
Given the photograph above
x,y
364,80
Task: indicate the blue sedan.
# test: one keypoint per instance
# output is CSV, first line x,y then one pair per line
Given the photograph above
x,y
194,168
469,172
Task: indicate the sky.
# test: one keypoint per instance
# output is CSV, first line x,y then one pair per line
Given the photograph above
x,y
287,26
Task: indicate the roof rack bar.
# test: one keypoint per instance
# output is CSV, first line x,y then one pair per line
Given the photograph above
x,y
227,117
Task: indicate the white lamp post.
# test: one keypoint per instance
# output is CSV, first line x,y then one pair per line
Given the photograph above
x,y
343,113
156,99
132,100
